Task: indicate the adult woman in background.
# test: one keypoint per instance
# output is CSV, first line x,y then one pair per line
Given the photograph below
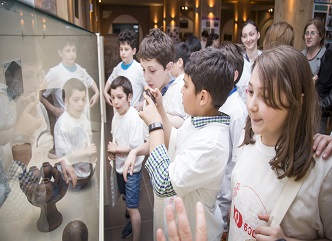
x,y
249,36
313,35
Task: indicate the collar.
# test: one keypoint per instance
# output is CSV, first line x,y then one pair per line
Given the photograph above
x,y
233,90
126,66
72,68
200,121
163,90
246,57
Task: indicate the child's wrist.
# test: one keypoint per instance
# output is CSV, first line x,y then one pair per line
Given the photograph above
x,y
155,126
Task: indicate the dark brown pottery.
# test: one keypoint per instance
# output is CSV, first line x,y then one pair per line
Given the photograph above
x,y
75,231
45,194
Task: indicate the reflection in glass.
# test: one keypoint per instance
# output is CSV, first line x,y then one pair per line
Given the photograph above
x,y
29,42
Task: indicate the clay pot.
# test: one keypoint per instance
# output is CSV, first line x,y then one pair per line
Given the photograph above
x,y
34,174
47,170
22,153
45,194
75,231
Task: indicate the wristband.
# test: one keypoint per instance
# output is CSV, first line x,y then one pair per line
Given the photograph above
x,y
155,126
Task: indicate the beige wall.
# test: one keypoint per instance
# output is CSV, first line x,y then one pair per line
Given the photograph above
x,y
297,13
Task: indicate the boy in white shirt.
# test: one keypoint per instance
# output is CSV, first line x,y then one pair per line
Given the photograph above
x,y
127,132
129,68
182,53
72,131
237,111
60,74
157,56
201,143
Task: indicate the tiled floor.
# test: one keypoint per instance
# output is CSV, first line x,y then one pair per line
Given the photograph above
x,y
114,217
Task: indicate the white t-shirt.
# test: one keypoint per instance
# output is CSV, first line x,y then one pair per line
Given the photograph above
x,y
197,171
135,75
58,76
71,134
127,131
172,102
172,99
236,109
256,189
242,85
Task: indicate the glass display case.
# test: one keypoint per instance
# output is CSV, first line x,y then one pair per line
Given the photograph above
x,y
49,127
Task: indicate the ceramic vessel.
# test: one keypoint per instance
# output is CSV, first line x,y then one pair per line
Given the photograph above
x,y
44,193
75,231
46,170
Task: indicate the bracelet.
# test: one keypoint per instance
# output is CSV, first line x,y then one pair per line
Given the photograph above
x,y
155,126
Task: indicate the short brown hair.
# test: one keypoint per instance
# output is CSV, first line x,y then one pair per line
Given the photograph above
x,y
157,45
212,71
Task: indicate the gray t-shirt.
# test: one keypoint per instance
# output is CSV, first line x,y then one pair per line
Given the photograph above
x,y
315,62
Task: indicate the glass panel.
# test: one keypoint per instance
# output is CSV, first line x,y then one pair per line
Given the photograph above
x,y
44,59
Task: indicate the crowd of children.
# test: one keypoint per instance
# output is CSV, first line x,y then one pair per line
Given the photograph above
x,y
229,128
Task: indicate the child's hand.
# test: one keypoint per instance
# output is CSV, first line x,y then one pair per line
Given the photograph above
x,y
111,147
28,122
69,173
157,96
180,229
268,233
129,164
111,156
107,98
23,102
91,149
150,113
94,99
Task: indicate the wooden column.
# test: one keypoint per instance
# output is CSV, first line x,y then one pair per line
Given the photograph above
x,y
171,19
295,12
156,16
241,14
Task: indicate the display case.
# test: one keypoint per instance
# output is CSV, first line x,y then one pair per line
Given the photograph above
x,y
35,201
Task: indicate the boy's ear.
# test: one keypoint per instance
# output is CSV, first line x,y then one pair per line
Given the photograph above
x,y
236,74
169,66
180,62
134,50
205,98
130,96
60,53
